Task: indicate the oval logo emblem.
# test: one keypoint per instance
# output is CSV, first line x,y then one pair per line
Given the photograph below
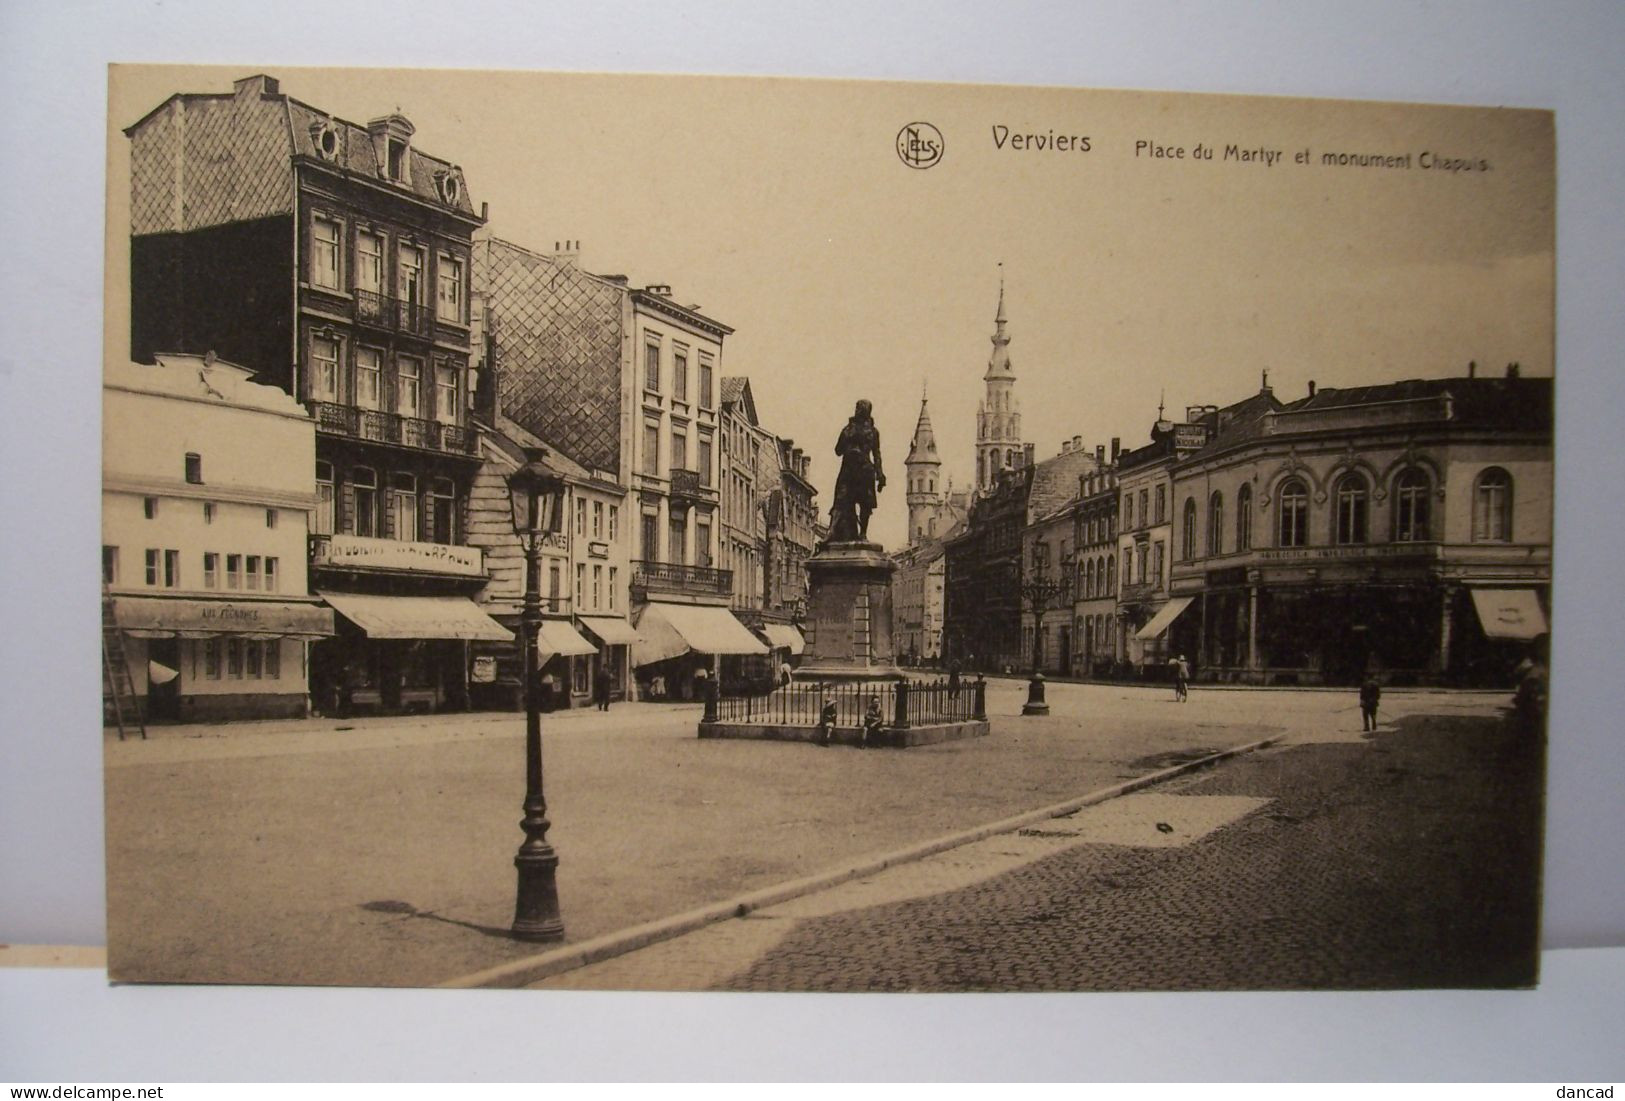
x,y
919,145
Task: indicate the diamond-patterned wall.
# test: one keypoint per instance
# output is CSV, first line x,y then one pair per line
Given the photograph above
x,y
558,335
233,164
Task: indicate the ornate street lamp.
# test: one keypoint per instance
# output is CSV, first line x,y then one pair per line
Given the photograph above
x,y
536,496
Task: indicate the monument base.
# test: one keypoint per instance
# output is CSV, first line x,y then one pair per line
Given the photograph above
x,y
849,615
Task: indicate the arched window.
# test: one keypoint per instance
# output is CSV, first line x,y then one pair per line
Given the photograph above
x,y
1353,502
1293,501
1411,507
1492,507
1187,537
1089,582
1215,524
1244,518
1111,575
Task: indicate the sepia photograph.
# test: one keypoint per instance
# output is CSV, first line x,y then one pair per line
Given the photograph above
x,y
679,533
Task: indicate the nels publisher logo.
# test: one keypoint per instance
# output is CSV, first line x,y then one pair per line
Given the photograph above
x,y
919,145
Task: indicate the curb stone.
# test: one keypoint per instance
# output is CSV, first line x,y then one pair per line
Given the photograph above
x,y
569,957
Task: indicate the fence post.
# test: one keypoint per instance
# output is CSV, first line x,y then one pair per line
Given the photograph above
x,y
981,699
901,722
711,692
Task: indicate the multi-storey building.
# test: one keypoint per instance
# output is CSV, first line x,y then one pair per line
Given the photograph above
x,y
205,498
1094,580
936,512
792,521
982,602
332,260
1049,558
748,476
1401,529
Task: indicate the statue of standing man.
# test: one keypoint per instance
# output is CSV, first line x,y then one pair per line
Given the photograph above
x,y
860,479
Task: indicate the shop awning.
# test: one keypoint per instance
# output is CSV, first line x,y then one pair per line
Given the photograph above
x,y
1509,613
784,636
610,630
416,616
1165,617
558,637
667,630
151,617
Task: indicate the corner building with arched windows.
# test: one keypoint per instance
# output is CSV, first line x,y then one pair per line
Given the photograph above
x,y
1402,529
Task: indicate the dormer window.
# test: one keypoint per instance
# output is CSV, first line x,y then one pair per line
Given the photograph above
x,y
325,137
397,159
450,189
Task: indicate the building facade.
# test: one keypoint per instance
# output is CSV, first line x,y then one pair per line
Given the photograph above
x,y
982,603
205,500
1401,529
332,259
1049,558
1094,579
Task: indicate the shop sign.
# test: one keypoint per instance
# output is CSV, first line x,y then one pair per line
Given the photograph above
x,y
360,552
1190,435
1303,554
484,670
598,550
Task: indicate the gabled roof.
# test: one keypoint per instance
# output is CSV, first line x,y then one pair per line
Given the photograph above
x,y
736,391
1055,481
923,448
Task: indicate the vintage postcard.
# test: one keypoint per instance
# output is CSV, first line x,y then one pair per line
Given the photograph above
x,y
678,533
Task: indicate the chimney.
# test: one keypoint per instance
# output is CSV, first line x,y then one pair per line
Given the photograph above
x,y
662,289
1513,370
257,85
1077,443
1472,368
1311,387
1100,454
1117,447
567,254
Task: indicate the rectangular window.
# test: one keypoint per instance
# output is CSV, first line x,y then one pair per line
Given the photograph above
x,y
1156,564
706,370
598,519
172,569
208,512
449,301
234,571
395,155
270,517
403,500
324,374
651,366
702,542
211,658
442,498
1128,511
369,262
581,583
152,566
194,468
702,459
270,575
324,498
1162,503
109,565
614,521
251,659
597,587
613,582
234,657
445,393
211,570
677,540
251,573
555,586
581,518
364,484
679,374
149,507
679,450
409,386
324,253
1145,507
368,375
410,282
651,448
1144,572
273,659
650,545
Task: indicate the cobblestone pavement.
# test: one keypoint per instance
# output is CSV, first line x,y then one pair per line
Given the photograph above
x,y
1409,859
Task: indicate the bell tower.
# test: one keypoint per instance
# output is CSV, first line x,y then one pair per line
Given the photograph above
x,y
924,470
998,417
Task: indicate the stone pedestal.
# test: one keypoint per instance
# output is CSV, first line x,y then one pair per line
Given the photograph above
x,y
849,615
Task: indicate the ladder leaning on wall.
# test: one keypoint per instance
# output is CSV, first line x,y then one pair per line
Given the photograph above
x,y
118,689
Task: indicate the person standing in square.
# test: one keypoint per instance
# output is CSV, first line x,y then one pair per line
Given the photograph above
x,y
1370,696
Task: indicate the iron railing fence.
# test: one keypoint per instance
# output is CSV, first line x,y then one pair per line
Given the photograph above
x,y
900,703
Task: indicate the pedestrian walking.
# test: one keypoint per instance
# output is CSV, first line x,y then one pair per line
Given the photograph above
x,y
601,686
1370,696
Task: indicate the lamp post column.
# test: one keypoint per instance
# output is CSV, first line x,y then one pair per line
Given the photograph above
x,y
536,911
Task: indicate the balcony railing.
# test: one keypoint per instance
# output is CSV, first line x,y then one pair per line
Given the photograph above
x,y
670,577
1145,591
384,312
686,483
391,428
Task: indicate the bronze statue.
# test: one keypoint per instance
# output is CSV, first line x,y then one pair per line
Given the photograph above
x,y
861,477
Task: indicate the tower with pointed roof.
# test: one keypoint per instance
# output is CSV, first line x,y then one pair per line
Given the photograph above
x,y
998,417
924,470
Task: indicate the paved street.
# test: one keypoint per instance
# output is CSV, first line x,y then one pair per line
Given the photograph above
x,y
381,853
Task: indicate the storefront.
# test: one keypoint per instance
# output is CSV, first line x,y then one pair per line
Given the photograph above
x,y
615,638
677,641
209,660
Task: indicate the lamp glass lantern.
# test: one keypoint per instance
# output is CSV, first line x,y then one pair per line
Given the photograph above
x,y
536,497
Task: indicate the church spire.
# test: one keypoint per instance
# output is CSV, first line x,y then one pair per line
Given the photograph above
x,y
923,449
998,364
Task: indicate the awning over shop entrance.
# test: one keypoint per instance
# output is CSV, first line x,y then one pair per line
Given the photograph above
x,y
667,630
416,616
784,636
150,617
1164,618
611,631
558,637
1509,613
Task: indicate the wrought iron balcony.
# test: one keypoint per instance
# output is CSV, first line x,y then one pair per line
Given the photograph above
x,y
384,312
686,483
1142,591
670,577
391,428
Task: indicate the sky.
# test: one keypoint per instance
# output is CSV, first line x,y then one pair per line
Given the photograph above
x,y
782,208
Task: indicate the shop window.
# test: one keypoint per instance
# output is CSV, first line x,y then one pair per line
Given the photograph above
x,y
251,659
1293,505
1492,507
211,570
1244,518
580,670
1411,506
234,657
273,659
1187,532
194,468
1353,504
109,565
211,658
